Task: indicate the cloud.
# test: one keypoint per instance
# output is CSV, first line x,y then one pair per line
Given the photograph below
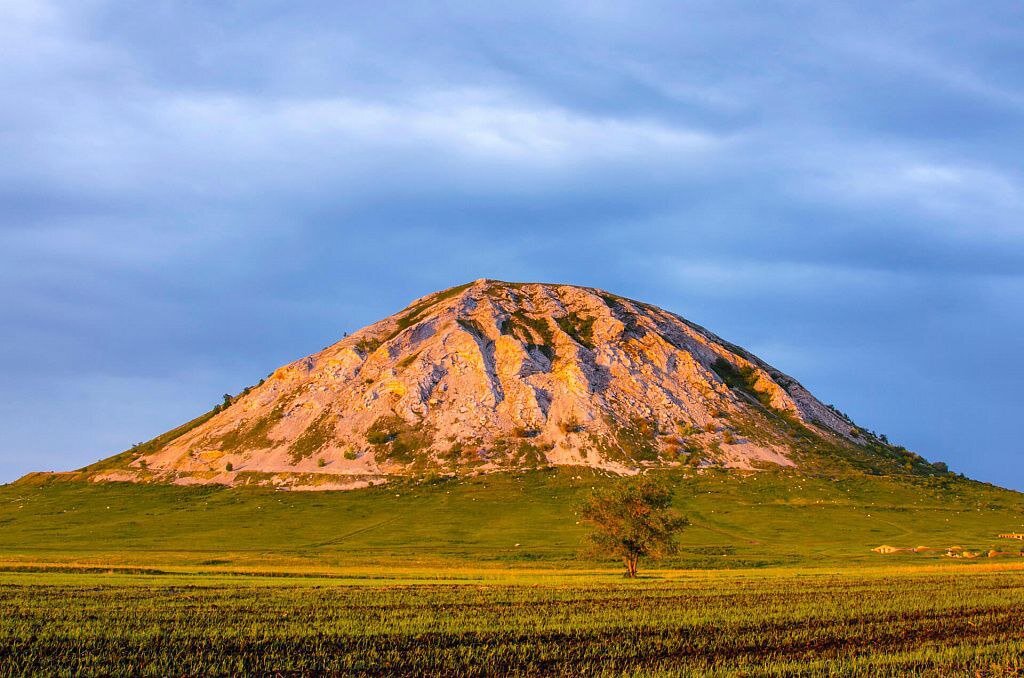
x,y
964,196
214,188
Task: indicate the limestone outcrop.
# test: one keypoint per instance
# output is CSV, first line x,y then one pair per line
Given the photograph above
x,y
490,376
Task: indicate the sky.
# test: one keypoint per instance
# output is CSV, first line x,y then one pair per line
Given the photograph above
x,y
195,192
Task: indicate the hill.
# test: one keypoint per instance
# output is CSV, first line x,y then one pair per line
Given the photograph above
x,y
469,426
493,376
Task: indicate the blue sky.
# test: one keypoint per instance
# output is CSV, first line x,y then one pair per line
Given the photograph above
x,y
193,193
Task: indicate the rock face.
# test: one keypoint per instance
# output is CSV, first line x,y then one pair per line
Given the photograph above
x,y
490,376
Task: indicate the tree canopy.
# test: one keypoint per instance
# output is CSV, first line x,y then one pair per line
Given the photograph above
x,y
633,519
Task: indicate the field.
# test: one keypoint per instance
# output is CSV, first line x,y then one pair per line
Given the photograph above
x,y
888,621
482,576
767,519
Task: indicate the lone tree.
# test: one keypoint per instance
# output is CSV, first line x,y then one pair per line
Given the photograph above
x,y
633,519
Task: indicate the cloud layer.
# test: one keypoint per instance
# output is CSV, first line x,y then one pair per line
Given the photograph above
x,y
194,193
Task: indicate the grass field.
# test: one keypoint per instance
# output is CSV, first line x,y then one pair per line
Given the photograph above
x,y
760,520
882,621
481,576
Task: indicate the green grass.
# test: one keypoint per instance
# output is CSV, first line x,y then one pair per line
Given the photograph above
x,y
736,623
480,575
771,518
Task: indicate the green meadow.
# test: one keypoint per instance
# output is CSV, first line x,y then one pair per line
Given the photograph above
x,y
481,576
765,519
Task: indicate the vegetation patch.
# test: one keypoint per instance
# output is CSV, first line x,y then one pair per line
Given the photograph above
x,y
408,360
631,328
684,451
635,441
397,440
416,312
385,429
743,379
580,328
368,345
313,439
639,439
531,455
252,436
535,333
520,453
472,327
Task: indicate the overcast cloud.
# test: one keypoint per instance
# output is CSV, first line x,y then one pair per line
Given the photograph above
x,y
193,193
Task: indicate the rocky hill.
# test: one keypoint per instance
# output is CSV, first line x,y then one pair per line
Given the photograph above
x,y
493,376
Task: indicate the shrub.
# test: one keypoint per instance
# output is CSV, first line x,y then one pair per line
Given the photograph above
x,y
351,454
384,430
672,451
367,346
229,467
741,379
320,463
687,429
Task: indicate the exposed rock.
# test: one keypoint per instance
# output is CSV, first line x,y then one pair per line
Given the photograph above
x,y
493,375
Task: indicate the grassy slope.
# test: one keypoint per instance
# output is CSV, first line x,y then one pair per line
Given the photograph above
x,y
769,518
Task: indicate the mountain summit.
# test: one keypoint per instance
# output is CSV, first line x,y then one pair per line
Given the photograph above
x,y
491,376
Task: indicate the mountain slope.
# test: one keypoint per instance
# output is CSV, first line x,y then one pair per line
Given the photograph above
x,y
492,376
